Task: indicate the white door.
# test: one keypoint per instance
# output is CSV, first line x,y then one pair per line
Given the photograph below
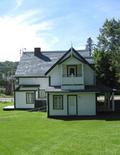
x,y
72,108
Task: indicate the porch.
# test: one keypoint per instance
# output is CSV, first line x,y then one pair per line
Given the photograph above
x,y
112,104
78,79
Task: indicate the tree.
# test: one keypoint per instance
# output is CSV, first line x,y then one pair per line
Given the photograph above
x,y
107,53
89,45
106,73
109,38
7,70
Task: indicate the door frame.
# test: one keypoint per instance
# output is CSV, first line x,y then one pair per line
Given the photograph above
x,y
68,105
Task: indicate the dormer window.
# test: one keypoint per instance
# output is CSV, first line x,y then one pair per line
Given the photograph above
x,y
72,70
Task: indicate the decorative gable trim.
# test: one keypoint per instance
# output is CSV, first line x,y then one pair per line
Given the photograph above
x,y
57,62
81,58
67,55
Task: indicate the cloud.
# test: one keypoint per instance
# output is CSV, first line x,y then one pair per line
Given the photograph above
x,y
17,32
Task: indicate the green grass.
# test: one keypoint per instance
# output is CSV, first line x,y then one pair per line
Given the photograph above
x,y
32,133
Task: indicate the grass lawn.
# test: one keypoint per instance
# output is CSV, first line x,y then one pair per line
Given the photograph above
x,y
32,133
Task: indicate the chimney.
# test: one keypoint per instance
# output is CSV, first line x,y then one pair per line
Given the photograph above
x,y
37,52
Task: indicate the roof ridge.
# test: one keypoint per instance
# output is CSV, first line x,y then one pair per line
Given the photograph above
x,y
52,51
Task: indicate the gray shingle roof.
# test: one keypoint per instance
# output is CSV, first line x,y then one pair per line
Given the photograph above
x,y
31,65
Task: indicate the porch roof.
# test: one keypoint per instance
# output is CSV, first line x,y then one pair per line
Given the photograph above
x,y
27,87
91,88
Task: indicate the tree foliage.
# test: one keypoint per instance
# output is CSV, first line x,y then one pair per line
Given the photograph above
x,y
89,45
106,73
107,53
7,70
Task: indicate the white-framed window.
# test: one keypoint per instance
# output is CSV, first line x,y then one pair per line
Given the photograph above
x,y
72,70
41,93
57,102
17,81
30,97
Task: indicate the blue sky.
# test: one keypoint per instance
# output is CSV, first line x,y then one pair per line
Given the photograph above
x,y
51,24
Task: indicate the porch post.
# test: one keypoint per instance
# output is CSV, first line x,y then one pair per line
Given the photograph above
x,y
113,102
108,100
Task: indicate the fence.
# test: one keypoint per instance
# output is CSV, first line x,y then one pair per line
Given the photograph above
x,y
6,99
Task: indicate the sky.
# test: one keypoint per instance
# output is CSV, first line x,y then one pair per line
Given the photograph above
x,y
51,24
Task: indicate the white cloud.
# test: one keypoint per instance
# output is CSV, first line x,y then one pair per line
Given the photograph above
x,y
16,33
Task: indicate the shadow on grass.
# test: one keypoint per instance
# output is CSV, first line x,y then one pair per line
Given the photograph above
x,y
109,116
37,111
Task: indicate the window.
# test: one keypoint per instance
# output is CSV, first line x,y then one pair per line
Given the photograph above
x,y
57,102
17,81
30,98
41,93
72,70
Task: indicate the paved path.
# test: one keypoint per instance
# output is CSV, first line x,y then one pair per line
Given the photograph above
x,y
9,108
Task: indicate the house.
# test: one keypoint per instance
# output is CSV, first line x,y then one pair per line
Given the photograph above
x,y
65,80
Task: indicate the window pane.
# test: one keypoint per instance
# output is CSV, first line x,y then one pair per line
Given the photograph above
x,y
30,98
72,70
57,102
41,93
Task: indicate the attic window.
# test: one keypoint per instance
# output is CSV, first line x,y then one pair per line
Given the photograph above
x,y
72,70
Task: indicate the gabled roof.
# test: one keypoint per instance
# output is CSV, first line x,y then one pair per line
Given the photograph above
x,y
31,65
67,55
71,52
